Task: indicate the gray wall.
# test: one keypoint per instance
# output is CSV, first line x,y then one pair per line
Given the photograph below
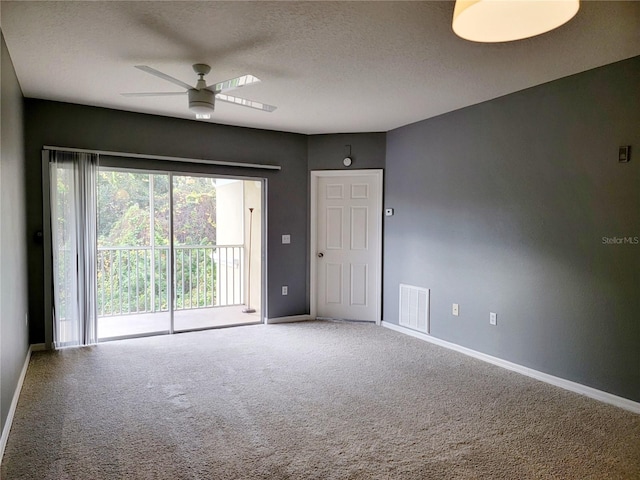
x,y
14,342
501,207
68,125
326,152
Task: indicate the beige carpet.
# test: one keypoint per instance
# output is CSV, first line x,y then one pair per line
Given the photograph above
x,y
317,400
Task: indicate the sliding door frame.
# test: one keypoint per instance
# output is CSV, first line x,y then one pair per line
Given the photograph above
x,y
48,248
263,250
48,251
171,259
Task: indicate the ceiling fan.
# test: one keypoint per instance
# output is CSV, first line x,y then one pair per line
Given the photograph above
x,y
202,97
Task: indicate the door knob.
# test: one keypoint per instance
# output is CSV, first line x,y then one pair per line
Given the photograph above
x,y
320,255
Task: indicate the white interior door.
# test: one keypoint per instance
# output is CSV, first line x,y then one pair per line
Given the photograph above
x,y
346,245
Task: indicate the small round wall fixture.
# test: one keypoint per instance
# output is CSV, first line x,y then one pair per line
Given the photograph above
x,y
347,161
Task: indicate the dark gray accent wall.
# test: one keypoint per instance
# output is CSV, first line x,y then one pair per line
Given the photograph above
x,y
326,152
70,125
507,206
14,341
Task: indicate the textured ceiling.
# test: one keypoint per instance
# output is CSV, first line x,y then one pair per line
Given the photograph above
x,y
328,66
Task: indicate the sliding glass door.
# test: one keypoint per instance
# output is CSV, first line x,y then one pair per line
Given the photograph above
x,y
176,252
133,256
211,251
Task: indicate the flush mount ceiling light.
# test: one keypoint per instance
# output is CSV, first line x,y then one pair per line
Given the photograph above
x,y
507,20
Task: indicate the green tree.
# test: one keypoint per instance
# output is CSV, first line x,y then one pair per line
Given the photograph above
x,y
124,220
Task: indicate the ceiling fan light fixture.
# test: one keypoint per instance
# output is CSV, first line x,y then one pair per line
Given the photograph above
x,y
201,103
202,97
493,21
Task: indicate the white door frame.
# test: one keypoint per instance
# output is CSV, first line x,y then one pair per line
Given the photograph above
x,y
313,259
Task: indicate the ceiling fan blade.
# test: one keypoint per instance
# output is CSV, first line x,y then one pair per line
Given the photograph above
x,y
245,102
164,76
234,83
153,94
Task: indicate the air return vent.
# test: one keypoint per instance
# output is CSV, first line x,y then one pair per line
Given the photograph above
x,y
414,308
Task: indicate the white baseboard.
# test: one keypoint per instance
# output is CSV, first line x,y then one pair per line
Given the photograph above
x,y
38,347
292,318
14,402
529,372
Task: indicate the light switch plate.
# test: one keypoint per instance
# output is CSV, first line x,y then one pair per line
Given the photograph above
x,y
286,239
493,318
455,309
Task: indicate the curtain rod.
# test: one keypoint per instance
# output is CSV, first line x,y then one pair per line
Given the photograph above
x,y
166,158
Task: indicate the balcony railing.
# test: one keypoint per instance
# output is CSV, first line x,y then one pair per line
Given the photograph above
x,y
135,279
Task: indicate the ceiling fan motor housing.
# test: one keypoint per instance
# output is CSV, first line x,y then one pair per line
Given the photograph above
x,y
201,101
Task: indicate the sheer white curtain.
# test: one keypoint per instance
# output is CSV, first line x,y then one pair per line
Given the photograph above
x,y
74,247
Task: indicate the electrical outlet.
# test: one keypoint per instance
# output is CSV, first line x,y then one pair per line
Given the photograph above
x,y
285,290
455,309
286,239
493,318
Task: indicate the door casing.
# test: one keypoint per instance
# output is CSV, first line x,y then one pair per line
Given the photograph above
x,y
313,247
